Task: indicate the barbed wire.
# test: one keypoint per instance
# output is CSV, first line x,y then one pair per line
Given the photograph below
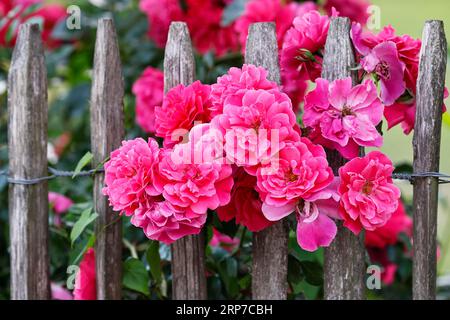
x,y
54,173
443,178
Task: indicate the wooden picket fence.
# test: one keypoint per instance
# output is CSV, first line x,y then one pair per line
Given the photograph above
x,y
344,267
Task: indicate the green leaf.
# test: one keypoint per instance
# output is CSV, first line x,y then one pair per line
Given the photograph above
x,y
232,12
154,261
135,277
30,9
12,29
295,272
85,219
313,272
82,163
228,274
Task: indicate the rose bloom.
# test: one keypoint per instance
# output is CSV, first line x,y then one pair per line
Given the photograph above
x,y
51,14
204,19
302,172
223,241
356,10
181,108
315,218
149,92
193,185
60,204
400,107
407,47
165,222
160,13
300,57
255,124
346,117
389,233
59,292
280,12
245,204
368,195
236,79
129,174
85,286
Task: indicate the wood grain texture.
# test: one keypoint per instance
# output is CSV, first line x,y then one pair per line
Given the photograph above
x,y
107,132
426,142
344,266
188,253
270,246
27,138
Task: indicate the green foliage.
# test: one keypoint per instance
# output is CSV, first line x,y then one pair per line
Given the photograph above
x,y
86,218
135,276
84,161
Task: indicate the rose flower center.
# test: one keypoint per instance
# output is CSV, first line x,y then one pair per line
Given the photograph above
x,y
347,111
382,70
367,188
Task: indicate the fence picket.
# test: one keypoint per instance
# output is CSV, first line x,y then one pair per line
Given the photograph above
x,y
27,142
107,132
344,258
188,253
426,143
270,246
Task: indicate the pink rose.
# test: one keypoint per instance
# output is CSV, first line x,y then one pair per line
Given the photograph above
x,y
193,185
368,195
356,10
164,222
59,202
389,233
384,62
160,14
315,218
407,49
249,77
255,124
60,205
129,174
181,108
85,286
302,172
345,116
221,240
59,292
149,92
204,19
302,184
300,57
245,204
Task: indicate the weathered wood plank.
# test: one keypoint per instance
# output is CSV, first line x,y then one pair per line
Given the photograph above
x,y
344,260
107,132
427,142
270,246
28,204
188,253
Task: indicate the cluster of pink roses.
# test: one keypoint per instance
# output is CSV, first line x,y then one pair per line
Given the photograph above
x,y
235,147
301,33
